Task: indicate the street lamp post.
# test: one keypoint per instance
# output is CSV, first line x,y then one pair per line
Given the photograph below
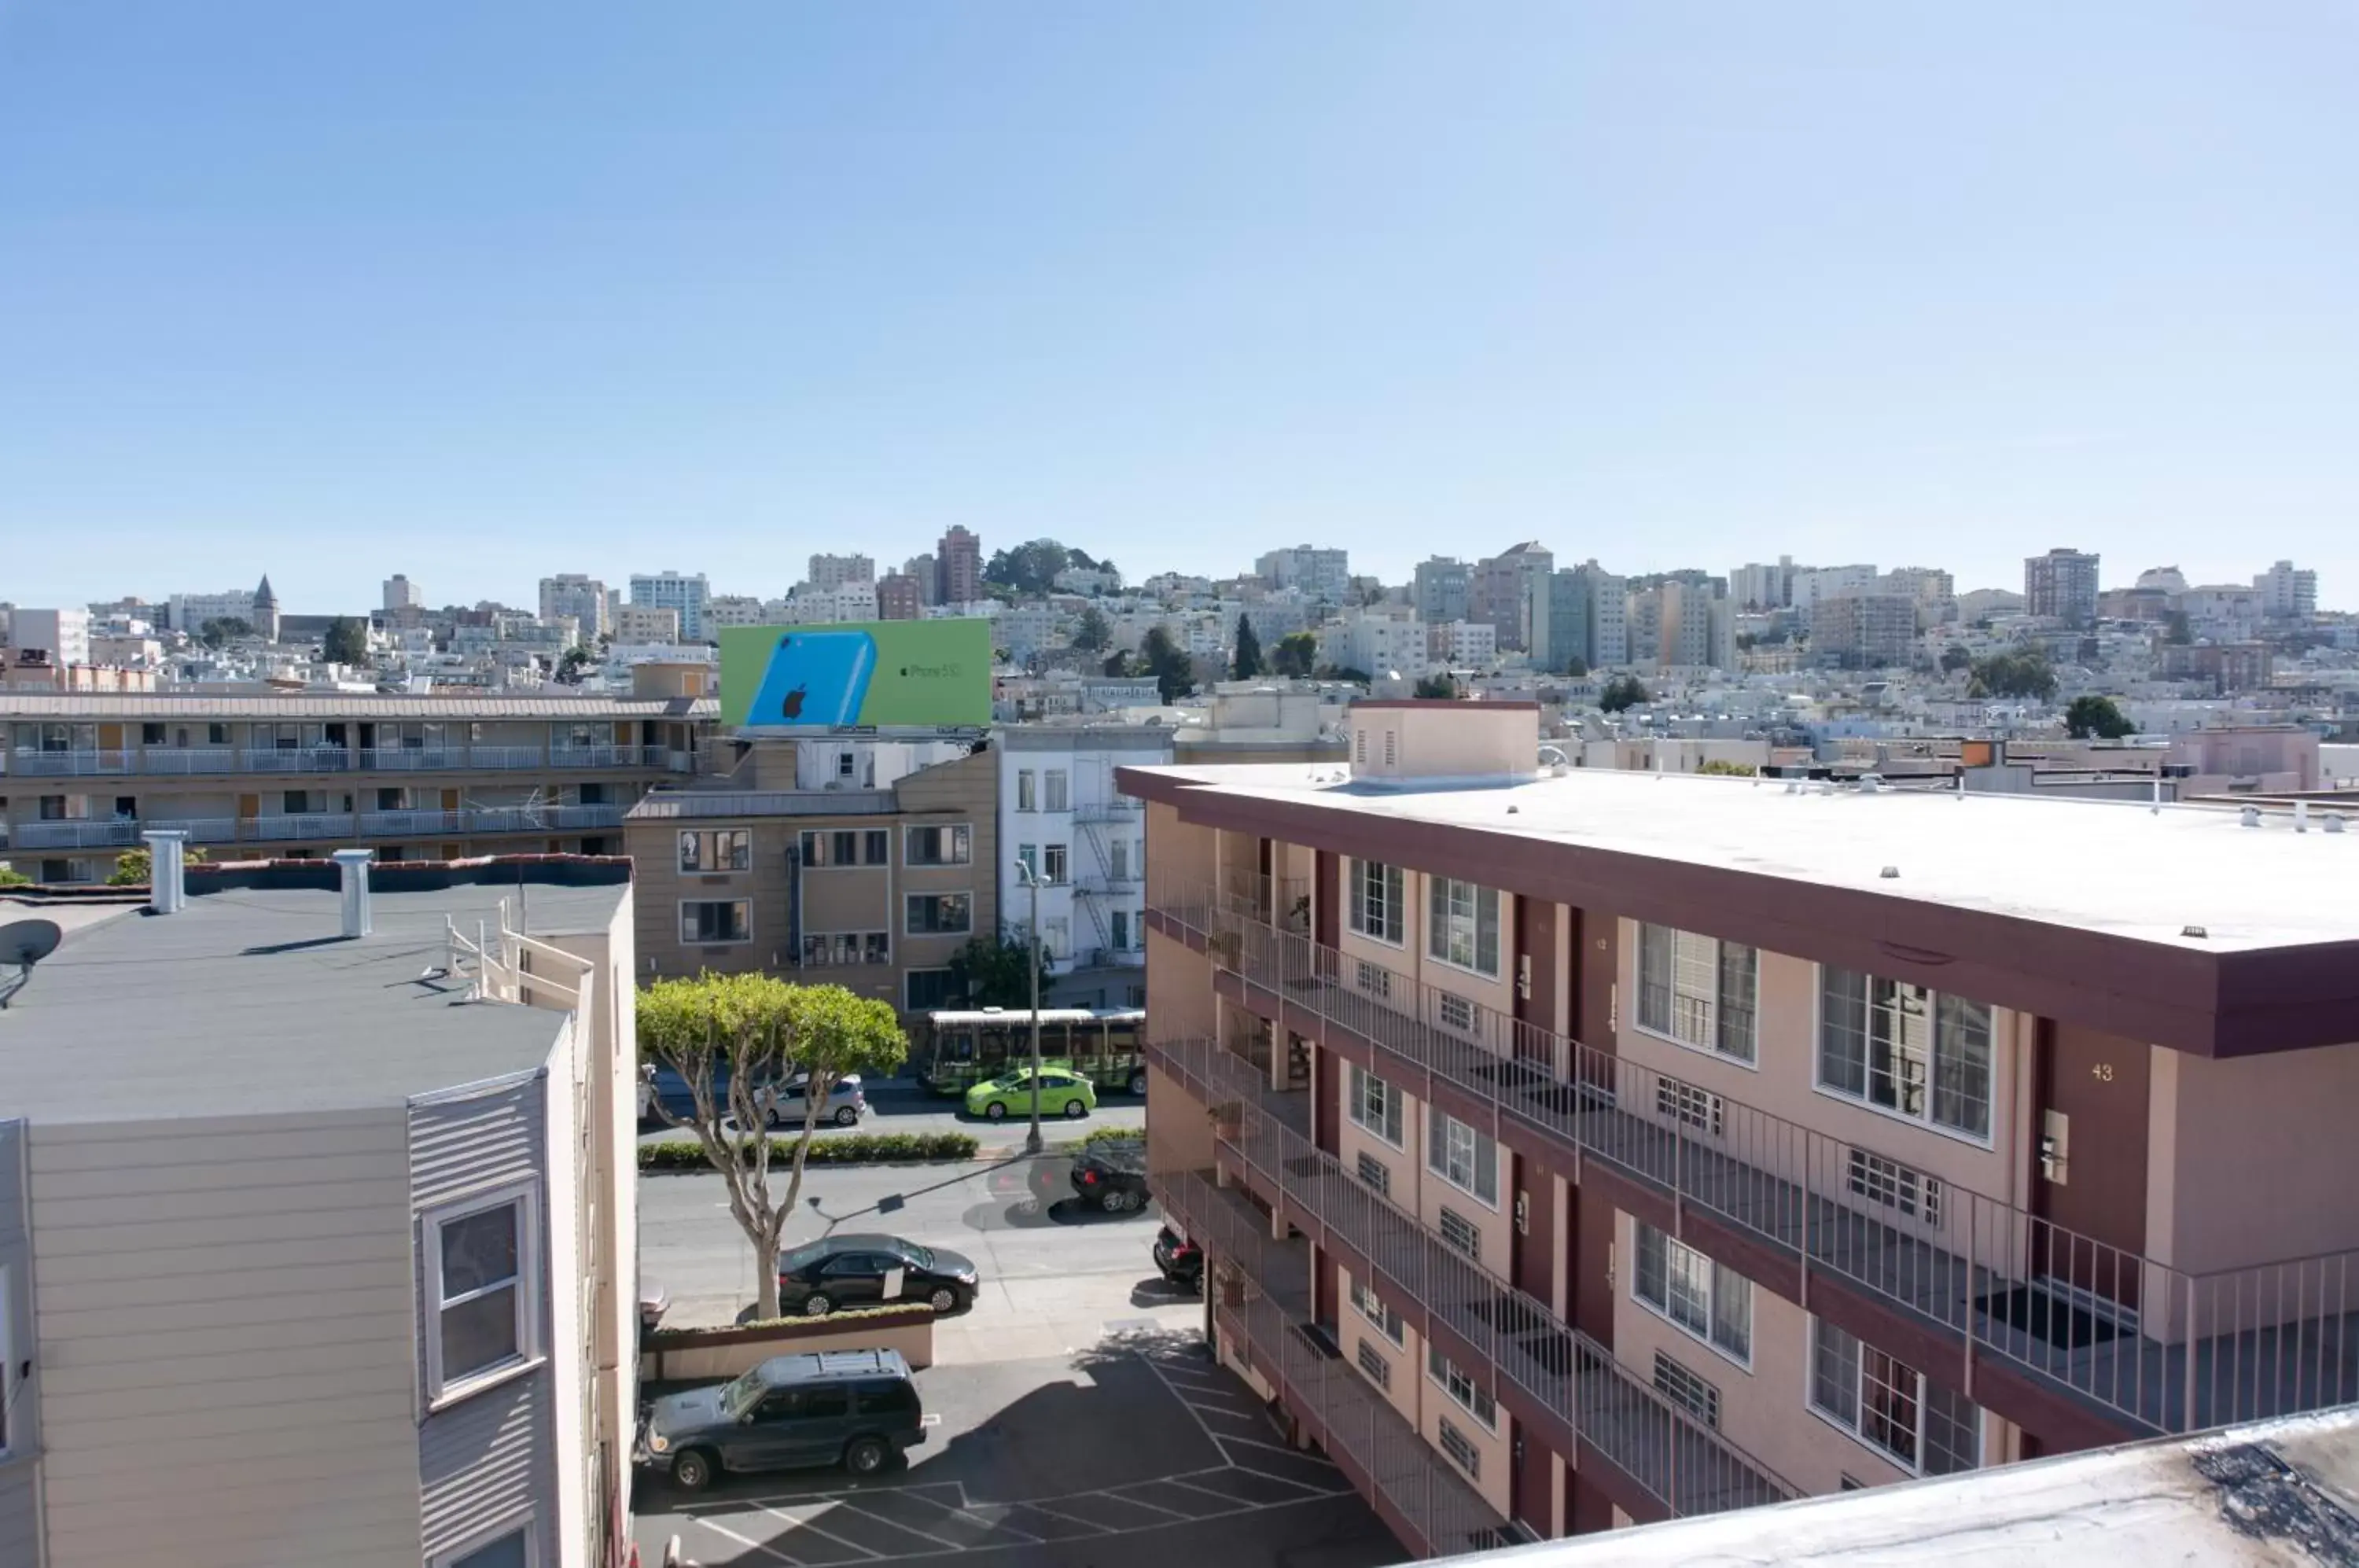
x,y
1032,880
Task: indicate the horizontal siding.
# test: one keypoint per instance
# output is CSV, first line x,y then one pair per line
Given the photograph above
x,y
228,1345
20,1521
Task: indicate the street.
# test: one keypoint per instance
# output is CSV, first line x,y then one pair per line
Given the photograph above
x,y
902,1104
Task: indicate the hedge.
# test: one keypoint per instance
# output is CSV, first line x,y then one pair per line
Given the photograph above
x,y
837,1149
688,1338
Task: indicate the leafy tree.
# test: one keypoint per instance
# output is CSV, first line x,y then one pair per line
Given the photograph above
x,y
995,972
1436,686
1173,671
2096,717
1092,634
1028,568
227,628
1081,558
2176,629
1297,654
1343,672
1720,768
11,877
137,867
346,642
1955,658
1622,692
1246,664
1122,665
1576,668
1744,641
2013,675
735,1040
575,666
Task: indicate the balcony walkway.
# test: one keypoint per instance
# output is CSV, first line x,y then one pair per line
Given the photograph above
x,y
2280,1339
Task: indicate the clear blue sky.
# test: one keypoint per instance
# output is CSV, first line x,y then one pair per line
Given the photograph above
x,y
478,290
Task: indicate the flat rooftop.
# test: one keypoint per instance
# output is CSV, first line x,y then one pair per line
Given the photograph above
x,y
250,1000
2121,868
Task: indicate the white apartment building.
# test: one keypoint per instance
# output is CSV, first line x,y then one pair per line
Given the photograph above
x,y
1830,583
584,598
1761,585
921,568
63,635
2288,594
1322,575
1060,817
401,593
833,571
668,590
637,623
189,612
1464,645
1865,631
736,610
1378,641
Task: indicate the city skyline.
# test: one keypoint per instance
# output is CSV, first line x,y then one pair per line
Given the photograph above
x,y
283,286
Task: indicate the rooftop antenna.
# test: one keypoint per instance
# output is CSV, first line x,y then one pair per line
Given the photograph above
x,y
23,944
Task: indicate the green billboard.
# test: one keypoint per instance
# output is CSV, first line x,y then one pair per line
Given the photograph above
x,y
870,675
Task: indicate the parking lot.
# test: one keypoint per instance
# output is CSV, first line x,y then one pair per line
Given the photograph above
x,y
1138,1450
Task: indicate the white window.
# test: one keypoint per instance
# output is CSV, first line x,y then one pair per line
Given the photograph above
x,y
937,914
1057,936
844,763
1372,1362
1455,1012
1454,1442
1377,1105
1054,863
1372,1307
705,921
1678,1102
1054,791
512,1546
1118,929
1376,980
1026,799
1461,1233
727,849
1118,860
1027,856
1903,1049
1919,1425
480,1258
1461,1155
1683,1387
935,846
1377,900
1697,990
1894,1185
1373,1173
1712,1302
1463,924
1455,1381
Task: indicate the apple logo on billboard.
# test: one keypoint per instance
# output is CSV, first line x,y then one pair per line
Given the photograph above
x,y
795,702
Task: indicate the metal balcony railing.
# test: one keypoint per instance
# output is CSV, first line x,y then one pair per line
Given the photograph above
x,y
31,764
299,759
169,761
301,828
85,834
1265,1321
1117,808
1685,1466
2163,1349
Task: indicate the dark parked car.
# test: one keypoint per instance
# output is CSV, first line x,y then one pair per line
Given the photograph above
x,y
1180,1260
1112,1176
871,1271
854,1408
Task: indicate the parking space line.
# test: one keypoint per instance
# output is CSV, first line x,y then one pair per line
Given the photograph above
x,y
1234,1502
1302,1453
909,1528
1072,1518
1222,1410
973,1513
749,1541
1117,1495
1281,1480
823,1534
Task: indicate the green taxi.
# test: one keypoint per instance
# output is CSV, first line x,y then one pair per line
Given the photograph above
x,y
1062,1092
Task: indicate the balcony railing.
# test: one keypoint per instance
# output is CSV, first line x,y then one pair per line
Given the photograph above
x,y
180,762
304,828
85,834
2164,1349
313,827
31,764
1685,1466
1118,809
1265,1322
299,759
185,761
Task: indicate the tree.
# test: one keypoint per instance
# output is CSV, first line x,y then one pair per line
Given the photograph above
x,y
1720,768
1576,668
1246,664
227,628
1081,558
737,1041
1622,692
995,972
137,867
1121,665
1343,672
2178,631
346,642
1174,671
1091,634
11,877
1297,654
1028,568
2096,717
1955,658
2013,675
575,666
1436,686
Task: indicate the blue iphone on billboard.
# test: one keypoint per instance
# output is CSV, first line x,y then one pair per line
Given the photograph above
x,y
817,677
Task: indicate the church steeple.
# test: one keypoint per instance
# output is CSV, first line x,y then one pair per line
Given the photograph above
x,y
266,611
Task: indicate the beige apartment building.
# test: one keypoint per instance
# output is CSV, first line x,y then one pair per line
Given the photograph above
x,y
1580,1147
84,775
802,863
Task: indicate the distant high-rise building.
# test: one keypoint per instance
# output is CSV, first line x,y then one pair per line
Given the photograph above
x,y
401,593
1440,590
637,623
1758,585
670,591
897,598
1865,631
958,568
189,612
584,598
1699,626
1321,574
733,610
2286,593
919,569
64,636
266,611
1931,590
1568,622
1502,592
2062,585
829,573
1814,583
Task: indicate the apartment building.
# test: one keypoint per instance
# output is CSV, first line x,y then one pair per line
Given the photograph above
x,y
1061,817
331,1258
670,589
865,864
1587,1150
2062,585
958,568
581,598
83,775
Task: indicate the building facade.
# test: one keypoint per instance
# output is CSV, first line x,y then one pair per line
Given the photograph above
x,y
62,635
1865,631
1324,575
401,593
670,591
900,597
1502,590
1440,589
2287,593
584,598
829,571
2062,585
1062,821
958,568
1578,1151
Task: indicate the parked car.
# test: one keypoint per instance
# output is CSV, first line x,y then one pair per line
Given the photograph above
x,y
871,1271
847,1101
1112,1176
653,1301
1180,1260
1063,1092
858,1409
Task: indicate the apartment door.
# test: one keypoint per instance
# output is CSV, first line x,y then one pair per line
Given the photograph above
x,y
1329,869
2089,1119
1531,1483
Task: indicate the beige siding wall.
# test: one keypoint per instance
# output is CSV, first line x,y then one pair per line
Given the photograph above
x,y
227,1341
2253,1161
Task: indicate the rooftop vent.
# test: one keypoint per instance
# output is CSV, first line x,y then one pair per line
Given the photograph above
x,y
2333,823
2197,933
168,879
2250,816
354,866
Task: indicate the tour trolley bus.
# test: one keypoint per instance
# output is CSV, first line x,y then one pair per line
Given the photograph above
x,y
963,1049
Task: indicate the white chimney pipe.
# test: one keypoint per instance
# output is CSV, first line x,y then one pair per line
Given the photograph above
x,y
167,885
353,864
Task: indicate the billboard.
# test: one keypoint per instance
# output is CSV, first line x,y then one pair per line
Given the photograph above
x,y
869,675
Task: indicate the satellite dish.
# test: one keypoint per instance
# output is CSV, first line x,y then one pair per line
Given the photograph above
x,y
26,943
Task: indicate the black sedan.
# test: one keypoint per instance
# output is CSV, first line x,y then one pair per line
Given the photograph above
x,y
1112,1176
872,1271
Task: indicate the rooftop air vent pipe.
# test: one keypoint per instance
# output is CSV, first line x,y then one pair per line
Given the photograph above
x,y
2250,816
168,879
353,864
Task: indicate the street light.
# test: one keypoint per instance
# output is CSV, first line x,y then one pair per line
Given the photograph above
x,y
1031,876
